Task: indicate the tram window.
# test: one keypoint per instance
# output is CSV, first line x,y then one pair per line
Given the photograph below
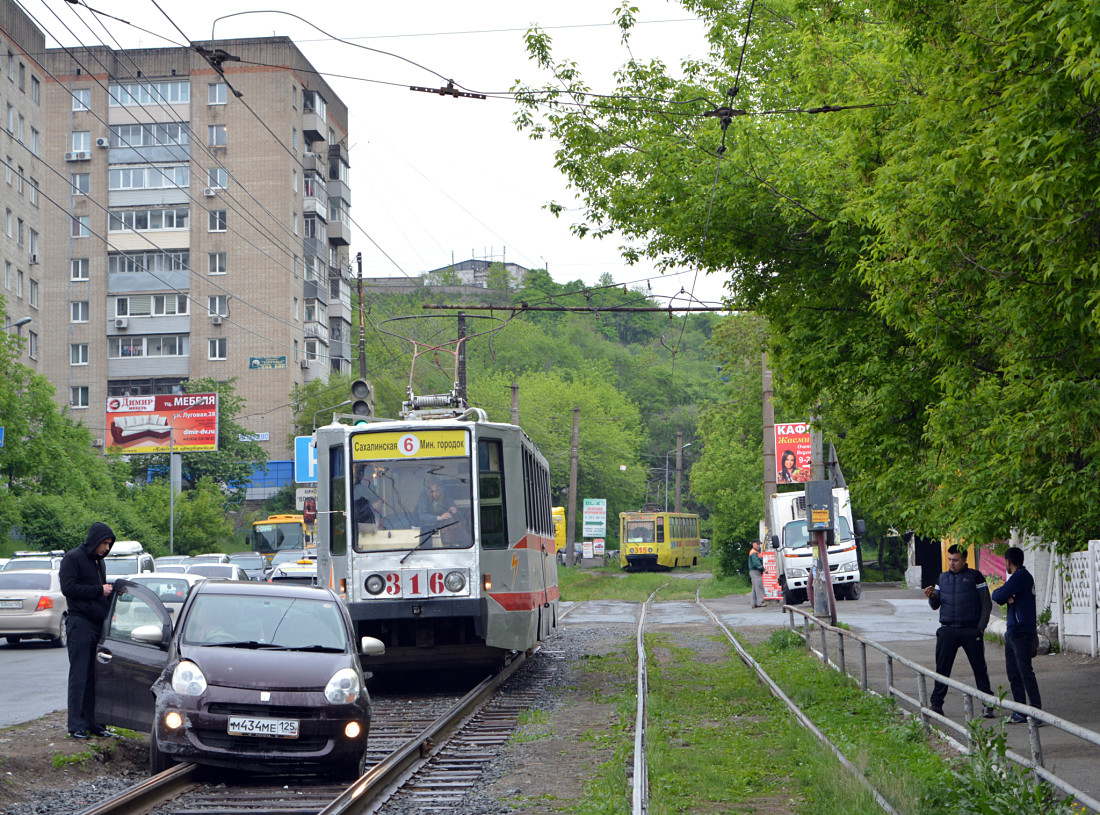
x,y
660,530
336,519
494,532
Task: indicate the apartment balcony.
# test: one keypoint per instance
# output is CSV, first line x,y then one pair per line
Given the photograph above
x,y
313,163
339,233
338,189
313,126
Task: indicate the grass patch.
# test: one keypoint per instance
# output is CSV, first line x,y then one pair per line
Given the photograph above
x,y
611,583
535,719
97,752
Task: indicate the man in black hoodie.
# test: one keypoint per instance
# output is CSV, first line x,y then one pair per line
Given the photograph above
x,y
84,584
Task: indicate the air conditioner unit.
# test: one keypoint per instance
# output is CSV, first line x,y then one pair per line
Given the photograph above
x,y
210,192
121,322
102,142
305,364
216,319
78,155
97,442
34,259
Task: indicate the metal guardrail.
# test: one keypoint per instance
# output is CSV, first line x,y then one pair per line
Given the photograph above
x,y
1036,717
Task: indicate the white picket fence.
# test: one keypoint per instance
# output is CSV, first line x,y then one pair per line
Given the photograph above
x,y
1077,603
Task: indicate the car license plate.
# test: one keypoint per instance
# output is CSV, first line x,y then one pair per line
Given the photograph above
x,y
11,604
272,728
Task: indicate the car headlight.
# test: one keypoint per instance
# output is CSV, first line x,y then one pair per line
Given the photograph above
x,y
455,581
851,566
375,584
343,688
793,572
187,679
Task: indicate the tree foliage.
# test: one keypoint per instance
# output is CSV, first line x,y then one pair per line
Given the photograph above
x,y
907,193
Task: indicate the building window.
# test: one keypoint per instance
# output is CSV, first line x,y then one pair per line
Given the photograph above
x,y
18,282
33,197
81,226
294,138
82,183
78,353
148,220
216,220
33,293
149,135
294,96
11,118
9,223
34,141
82,99
316,312
216,263
217,304
217,177
217,348
33,246
215,93
32,345
150,178
22,78
79,311
296,309
78,396
294,218
169,304
19,180
19,231
78,269
7,274
170,345
315,351
36,90
153,261
215,135
138,94
82,141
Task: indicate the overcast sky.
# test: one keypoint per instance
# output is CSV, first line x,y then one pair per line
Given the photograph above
x,y
432,176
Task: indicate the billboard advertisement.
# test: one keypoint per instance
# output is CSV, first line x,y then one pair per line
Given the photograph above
x,y
594,524
177,422
792,452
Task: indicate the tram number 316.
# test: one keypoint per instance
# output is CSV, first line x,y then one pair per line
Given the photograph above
x,y
414,583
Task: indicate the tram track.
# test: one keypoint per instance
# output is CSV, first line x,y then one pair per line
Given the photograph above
x,y
425,762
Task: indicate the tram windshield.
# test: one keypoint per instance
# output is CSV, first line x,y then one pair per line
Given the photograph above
x,y
640,531
420,503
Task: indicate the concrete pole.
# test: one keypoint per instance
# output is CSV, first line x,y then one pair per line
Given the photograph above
x,y
515,404
769,444
571,512
460,386
679,464
362,319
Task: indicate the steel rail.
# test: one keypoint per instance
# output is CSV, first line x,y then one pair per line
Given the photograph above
x,y
149,794
640,797
361,794
799,714
1035,716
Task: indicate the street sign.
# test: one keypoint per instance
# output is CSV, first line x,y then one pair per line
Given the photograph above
x,y
305,460
266,363
1,437
595,518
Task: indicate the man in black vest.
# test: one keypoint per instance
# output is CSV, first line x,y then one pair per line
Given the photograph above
x,y
84,584
962,597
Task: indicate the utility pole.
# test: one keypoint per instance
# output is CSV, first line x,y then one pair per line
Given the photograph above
x,y
769,445
362,319
679,464
571,512
461,384
515,404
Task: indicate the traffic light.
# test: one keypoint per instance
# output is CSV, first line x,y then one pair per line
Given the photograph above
x,y
362,398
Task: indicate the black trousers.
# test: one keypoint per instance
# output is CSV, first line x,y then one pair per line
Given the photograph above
x,y
948,642
83,636
1019,647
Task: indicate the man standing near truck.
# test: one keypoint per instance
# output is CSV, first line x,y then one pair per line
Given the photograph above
x,y
756,574
962,597
1021,631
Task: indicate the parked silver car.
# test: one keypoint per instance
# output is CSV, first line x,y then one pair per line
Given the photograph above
x,y
32,606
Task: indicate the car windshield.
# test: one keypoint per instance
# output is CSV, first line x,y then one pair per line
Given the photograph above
x,y
796,536
250,561
420,503
23,563
167,589
121,565
256,621
288,556
271,537
16,581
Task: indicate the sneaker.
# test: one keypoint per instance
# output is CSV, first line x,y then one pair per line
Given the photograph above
x,y
936,708
989,713
1016,718
79,734
100,731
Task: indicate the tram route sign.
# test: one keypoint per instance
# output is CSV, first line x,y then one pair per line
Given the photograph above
x,y
595,518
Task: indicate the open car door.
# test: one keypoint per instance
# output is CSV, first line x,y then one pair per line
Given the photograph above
x,y
125,669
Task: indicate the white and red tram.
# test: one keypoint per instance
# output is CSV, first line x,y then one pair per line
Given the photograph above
x,y
438,534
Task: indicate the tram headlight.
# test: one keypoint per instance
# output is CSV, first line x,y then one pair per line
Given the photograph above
x,y
375,584
188,679
343,688
455,581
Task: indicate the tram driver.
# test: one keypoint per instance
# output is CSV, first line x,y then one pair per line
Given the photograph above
x,y
435,512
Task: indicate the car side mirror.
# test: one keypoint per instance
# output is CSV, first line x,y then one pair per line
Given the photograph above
x,y
775,541
371,647
149,634
861,527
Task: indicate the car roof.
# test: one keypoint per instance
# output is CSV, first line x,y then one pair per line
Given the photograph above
x,y
262,589
149,576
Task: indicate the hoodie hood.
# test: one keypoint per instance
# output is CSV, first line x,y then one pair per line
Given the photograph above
x,y
96,535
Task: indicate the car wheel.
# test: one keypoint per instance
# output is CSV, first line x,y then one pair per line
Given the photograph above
x,y
12,640
855,591
62,638
353,771
788,595
158,761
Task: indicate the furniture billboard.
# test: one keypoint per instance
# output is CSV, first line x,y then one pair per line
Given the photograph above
x,y
177,423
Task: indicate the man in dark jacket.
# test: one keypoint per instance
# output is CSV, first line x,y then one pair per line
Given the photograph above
x,y
1021,631
84,584
756,574
962,597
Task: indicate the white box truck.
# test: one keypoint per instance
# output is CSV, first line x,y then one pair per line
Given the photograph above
x,y
794,556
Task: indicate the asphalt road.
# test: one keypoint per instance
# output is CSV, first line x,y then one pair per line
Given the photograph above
x,y
35,676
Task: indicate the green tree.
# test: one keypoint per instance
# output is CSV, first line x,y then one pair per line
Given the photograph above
x,y
498,278
907,194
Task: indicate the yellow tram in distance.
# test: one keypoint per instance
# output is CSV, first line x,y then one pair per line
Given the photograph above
x,y
658,541
558,514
